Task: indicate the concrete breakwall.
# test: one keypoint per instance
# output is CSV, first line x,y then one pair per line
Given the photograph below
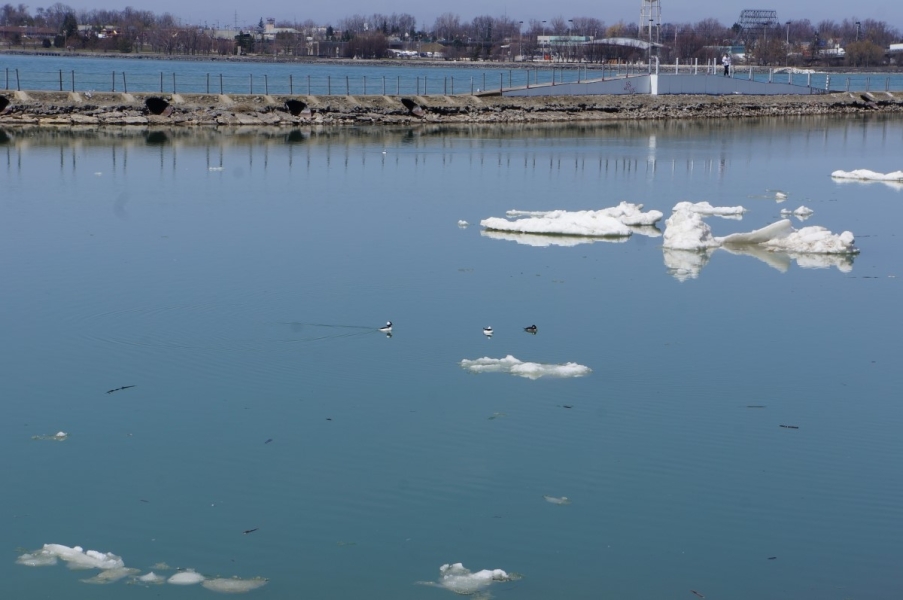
x,y
61,108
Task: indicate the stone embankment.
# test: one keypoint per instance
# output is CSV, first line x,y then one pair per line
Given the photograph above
x,y
61,108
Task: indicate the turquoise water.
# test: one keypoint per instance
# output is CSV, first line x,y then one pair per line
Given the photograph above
x,y
243,304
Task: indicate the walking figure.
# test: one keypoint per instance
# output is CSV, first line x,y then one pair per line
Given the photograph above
x,y
726,61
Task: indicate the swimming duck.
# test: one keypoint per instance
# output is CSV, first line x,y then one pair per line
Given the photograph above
x,y
487,331
387,328
531,329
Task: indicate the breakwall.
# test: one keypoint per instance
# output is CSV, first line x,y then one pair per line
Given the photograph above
x,y
61,108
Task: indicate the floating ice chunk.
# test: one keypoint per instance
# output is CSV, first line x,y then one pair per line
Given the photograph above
x,y
98,174
685,264
685,230
151,578
780,196
233,585
459,579
529,370
60,436
75,557
867,175
808,240
37,559
802,213
706,209
188,577
608,222
214,168
463,223
554,500
161,566
111,575
538,240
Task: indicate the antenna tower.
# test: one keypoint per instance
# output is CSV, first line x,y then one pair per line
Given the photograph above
x,y
650,20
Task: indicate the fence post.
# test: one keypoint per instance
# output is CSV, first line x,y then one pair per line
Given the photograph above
x,y
208,83
7,77
18,87
887,84
424,86
329,85
445,86
308,85
125,87
266,85
484,82
73,80
291,88
365,85
220,84
173,82
418,86
750,73
347,87
868,84
113,85
453,86
161,82
848,84
471,86
61,80
501,82
509,78
384,85
251,84
398,85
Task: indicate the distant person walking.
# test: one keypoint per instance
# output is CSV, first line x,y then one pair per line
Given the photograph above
x,y
726,61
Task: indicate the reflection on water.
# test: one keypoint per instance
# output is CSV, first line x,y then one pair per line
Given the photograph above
x,y
235,283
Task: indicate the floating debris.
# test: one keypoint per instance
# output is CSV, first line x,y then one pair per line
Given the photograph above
x,y
497,415
268,441
460,580
697,593
559,501
772,557
790,426
247,531
755,406
125,387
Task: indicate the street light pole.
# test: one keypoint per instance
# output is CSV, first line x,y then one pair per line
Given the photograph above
x,y
858,26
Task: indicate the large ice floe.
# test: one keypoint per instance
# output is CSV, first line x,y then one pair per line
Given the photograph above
x,y
893,180
529,370
688,244
460,580
113,569
608,222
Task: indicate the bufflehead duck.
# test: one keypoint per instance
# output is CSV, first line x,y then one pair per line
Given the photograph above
x,y
487,331
387,328
531,329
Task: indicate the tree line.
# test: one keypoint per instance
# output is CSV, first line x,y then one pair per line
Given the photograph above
x,y
482,38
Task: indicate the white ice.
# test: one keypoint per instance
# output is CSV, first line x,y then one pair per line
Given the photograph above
x,y
706,209
867,175
554,500
529,370
802,213
685,230
188,577
463,223
75,557
111,575
234,585
608,222
460,580
151,578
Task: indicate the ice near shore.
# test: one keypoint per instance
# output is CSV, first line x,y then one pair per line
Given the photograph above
x,y
528,370
706,209
609,222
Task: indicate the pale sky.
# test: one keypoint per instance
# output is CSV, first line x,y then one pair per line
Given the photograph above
x,y
728,12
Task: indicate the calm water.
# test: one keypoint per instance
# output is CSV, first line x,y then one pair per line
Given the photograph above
x,y
243,303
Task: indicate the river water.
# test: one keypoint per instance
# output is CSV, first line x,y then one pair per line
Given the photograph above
x,y
237,280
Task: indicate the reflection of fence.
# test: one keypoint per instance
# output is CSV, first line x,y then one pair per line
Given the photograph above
x,y
425,84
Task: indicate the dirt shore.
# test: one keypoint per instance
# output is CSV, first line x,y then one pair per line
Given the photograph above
x,y
62,108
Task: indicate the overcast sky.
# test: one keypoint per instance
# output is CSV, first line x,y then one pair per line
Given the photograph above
x,y
728,12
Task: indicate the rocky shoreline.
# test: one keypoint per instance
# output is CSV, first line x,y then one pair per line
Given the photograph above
x,y
116,109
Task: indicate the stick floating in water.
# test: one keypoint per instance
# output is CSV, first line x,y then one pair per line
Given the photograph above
x,y
125,387
790,426
247,531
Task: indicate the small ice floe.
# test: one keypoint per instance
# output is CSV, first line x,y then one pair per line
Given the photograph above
x,y
189,577
705,209
529,370
608,222
560,501
233,585
685,230
780,196
802,213
75,557
59,436
538,240
214,168
867,175
462,223
460,580
151,578
111,575
98,174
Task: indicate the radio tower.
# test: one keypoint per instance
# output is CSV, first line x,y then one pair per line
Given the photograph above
x,y
650,20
